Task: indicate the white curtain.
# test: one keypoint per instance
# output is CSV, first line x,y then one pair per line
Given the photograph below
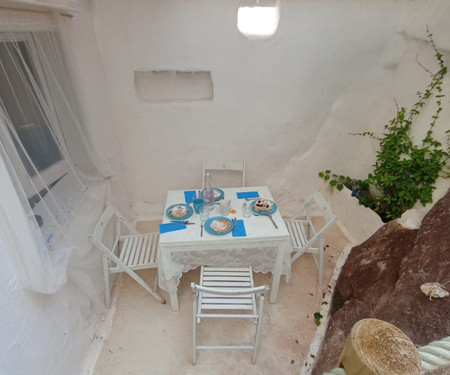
x,y
53,184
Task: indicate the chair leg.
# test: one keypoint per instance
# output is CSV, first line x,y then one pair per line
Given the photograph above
x,y
156,279
145,286
321,241
107,278
258,328
194,331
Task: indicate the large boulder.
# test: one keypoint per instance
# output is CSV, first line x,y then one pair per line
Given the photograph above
x,y
381,279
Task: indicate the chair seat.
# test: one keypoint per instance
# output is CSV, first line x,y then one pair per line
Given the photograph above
x,y
128,253
139,251
226,279
298,232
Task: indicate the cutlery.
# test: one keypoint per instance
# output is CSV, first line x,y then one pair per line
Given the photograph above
x,y
201,230
234,228
174,222
270,217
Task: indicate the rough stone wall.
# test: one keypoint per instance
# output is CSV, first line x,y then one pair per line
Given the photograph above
x,y
381,279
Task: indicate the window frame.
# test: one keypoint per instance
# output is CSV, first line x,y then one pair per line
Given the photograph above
x,y
54,172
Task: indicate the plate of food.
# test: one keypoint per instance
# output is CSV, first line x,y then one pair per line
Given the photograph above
x,y
219,225
263,206
179,211
218,194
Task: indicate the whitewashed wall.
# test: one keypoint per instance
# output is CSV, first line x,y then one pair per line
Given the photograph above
x,y
51,334
286,105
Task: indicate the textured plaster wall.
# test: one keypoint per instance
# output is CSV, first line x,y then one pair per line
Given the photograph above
x,y
51,334
286,105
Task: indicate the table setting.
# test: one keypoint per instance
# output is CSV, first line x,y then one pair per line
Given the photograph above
x,y
239,226
217,219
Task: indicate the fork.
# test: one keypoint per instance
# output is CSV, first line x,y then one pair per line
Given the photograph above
x,y
270,217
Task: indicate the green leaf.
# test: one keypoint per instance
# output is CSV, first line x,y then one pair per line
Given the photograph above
x,y
404,171
317,317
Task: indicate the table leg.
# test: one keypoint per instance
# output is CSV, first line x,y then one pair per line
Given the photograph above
x,y
276,275
274,286
174,301
173,293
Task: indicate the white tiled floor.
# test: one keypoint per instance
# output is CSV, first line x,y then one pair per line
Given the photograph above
x,y
148,338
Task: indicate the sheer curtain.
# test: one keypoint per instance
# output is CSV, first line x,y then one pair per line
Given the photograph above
x,y
53,184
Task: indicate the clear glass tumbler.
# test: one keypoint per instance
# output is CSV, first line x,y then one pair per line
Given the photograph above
x,y
247,209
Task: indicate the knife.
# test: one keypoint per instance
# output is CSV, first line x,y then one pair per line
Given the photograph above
x,y
234,229
180,222
270,217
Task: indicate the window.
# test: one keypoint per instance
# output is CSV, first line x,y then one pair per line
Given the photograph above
x,y
37,148
40,128
258,19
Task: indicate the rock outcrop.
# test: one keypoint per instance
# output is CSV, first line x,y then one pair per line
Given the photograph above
x,y
381,279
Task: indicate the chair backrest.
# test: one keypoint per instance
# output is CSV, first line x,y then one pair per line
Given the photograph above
x,y
226,292
229,301
110,213
317,202
233,166
322,205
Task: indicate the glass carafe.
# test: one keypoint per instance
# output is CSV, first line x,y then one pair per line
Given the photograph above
x,y
208,192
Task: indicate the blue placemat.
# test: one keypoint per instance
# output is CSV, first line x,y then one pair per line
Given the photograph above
x,y
190,195
240,229
247,194
170,227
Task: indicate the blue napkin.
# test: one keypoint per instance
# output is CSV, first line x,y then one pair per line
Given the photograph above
x,y
170,227
190,195
240,229
248,194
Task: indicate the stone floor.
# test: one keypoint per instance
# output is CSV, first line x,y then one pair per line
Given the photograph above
x,y
146,337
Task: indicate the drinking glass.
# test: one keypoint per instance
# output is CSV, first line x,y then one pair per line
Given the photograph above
x,y
247,209
198,205
224,207
204,214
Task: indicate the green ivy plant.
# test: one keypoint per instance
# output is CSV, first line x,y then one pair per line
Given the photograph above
x,y
404,172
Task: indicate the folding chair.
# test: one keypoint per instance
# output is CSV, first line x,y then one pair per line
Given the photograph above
x,y
233,166
128,253
227,293
305,237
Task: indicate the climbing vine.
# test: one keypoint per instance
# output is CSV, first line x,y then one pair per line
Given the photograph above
x,y
404,172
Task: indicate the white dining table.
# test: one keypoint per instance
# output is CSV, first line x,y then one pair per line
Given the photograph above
x,y
264,248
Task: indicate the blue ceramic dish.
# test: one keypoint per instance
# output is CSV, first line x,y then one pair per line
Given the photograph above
x,y
189,212
218,197
212,231
263,212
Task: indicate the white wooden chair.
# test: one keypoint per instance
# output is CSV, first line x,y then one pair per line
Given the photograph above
x,y
128,253
233,166
307,238
227,293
